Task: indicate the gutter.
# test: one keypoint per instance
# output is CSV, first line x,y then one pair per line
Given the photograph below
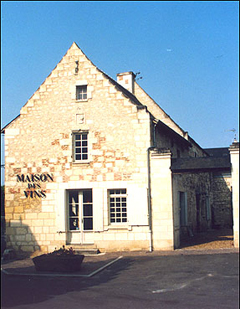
x,y
155,122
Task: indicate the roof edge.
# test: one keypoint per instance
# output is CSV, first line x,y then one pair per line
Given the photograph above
x,y
5,127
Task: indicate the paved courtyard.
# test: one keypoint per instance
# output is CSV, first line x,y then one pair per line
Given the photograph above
x,y
178,279
204,273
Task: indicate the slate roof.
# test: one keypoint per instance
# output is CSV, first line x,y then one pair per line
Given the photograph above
x,y
218,152
167,130
201,164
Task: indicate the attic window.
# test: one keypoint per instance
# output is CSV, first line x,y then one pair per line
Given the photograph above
x,y
81,92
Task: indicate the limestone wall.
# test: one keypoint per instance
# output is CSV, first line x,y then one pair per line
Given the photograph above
x,y
222,200
197,187
39,142
161,202
234,153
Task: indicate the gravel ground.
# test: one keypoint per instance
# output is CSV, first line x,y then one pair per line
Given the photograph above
x,y
212,239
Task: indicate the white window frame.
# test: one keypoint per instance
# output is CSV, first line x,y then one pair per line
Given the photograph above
x,y
80,146
117,201
81,93
78,215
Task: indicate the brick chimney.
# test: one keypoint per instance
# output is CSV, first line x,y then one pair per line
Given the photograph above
x,y
127,80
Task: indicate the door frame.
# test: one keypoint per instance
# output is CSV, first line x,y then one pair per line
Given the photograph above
x,y
77,236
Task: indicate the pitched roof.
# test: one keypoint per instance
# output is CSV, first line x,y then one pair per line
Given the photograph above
x,y
167,130
218,152
124,91
127,93
200,164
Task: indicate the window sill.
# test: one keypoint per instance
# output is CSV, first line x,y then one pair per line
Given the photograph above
x,y
119,227
81,162
79,101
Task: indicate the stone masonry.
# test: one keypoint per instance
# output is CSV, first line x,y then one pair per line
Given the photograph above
x,y
131,142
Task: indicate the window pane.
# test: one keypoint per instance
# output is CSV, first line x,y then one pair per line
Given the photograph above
x,y
87,210
88,224
74,224
80,146
81,92
117,205
87,196
73,196
73,209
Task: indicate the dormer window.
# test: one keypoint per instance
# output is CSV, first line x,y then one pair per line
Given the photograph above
x,y
81,92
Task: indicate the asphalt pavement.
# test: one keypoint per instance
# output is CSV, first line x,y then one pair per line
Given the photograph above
x,y
176,279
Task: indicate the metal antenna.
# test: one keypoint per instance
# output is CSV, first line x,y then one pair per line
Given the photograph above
x,y
234,131
140,77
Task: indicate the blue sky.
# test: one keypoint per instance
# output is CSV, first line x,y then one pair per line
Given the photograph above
x,y
187,53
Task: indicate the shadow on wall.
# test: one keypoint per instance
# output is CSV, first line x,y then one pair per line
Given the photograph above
x,y
204,202
222,214
20,239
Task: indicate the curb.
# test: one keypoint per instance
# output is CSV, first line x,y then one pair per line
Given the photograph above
x,y
61,275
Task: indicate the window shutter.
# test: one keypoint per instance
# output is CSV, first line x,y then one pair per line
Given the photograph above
x,y
98,199
137,205
61,211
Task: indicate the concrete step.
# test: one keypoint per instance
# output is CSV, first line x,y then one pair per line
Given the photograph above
x,y
86,249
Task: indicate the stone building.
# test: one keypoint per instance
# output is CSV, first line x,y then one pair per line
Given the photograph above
x,y
95,162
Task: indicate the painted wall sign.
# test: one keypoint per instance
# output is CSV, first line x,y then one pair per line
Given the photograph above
x,y
34,188
34,178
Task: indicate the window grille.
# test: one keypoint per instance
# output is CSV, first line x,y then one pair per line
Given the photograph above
x,y
118,205
81,92
80,145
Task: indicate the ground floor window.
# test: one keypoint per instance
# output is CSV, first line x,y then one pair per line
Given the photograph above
x,y
80,210
118,205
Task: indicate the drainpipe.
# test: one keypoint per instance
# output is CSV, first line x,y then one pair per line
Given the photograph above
x,y
149,187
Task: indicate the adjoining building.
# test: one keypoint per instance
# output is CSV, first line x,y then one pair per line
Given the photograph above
x,y
94,161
